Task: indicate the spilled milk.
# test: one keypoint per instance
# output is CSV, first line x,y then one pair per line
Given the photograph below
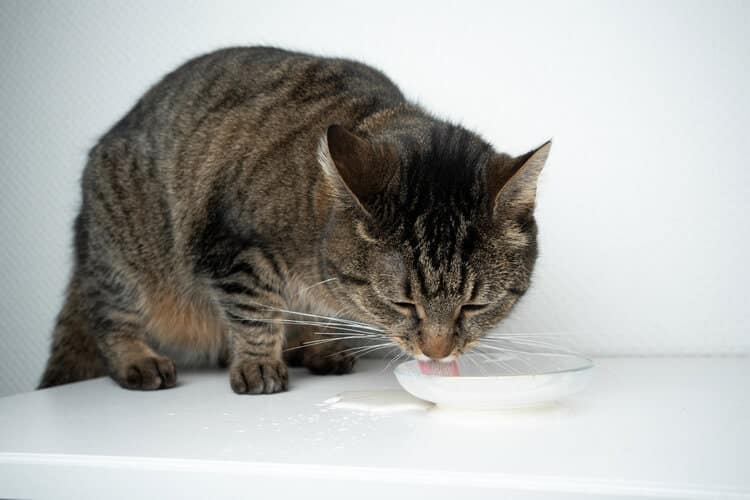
x,y
383,401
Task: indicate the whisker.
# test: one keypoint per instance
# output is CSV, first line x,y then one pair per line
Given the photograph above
x,y
361,350
329,318
500,362
342,321
399,354
517,357
530,341
517,351
528,335
373,335
326,341
471,358
303,290
538,343
321,323
312,343
366,352
356,348
337,339
545,345
285,321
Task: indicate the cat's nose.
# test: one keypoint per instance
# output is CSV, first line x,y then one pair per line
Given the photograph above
x,y
436,346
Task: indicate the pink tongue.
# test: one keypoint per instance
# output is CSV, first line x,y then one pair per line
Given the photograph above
x,y
438,368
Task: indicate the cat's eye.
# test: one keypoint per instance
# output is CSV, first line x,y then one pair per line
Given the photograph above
x,y
407,307
473,308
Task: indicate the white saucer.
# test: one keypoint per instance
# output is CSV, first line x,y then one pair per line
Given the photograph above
x,y
502,382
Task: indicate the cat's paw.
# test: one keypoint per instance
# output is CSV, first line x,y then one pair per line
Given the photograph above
x,y
259,376
326,363
148,373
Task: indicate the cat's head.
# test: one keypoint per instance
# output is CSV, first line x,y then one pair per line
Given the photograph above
x,y
431,234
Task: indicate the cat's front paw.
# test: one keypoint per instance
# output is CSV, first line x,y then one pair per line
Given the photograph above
x,y
259,376
326,363
147,374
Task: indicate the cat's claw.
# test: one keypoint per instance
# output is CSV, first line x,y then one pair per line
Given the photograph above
x,y
259,377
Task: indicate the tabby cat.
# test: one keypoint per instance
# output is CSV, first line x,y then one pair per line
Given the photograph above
x,y
255,188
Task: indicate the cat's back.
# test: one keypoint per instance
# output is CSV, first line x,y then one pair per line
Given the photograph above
x,y
265,88
247,121
234,124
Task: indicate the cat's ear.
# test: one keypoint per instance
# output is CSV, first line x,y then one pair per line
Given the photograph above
x,y
512,181
360,168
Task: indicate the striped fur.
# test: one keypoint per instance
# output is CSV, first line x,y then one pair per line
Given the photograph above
x,y
217,199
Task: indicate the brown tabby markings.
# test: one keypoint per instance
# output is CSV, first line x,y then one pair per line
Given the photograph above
x,y
252,181
74,354
185,325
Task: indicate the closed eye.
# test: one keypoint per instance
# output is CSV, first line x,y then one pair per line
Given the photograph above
x,y
406,307
473,308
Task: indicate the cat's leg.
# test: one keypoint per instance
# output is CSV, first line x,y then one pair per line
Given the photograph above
x,y
256,365
133,364
74,355
331,357
118,325
249,291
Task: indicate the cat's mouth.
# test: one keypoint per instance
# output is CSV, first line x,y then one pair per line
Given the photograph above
x,y
441,368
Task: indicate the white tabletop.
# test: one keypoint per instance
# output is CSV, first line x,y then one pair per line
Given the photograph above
x,y
645,428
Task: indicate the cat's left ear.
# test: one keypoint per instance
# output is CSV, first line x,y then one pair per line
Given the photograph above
x,y
512,181
358,170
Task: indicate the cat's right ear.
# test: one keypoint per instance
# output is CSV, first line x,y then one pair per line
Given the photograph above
x,y
356,169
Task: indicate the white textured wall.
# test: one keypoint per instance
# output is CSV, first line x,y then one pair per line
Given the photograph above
x,y
643,208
